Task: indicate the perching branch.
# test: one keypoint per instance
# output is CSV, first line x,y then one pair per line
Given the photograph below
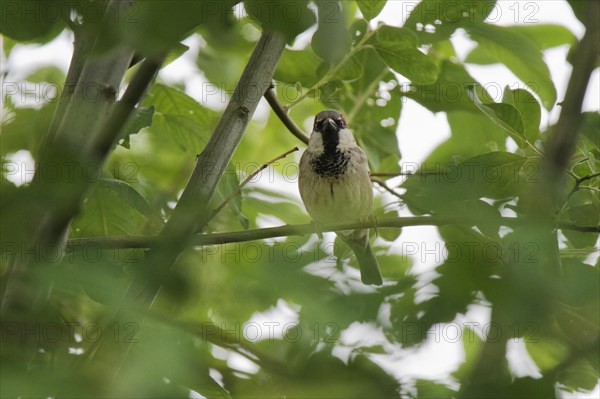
x,y
111,243
283,115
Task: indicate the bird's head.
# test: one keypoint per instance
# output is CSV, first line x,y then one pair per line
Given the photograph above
x,y
329,122
330,132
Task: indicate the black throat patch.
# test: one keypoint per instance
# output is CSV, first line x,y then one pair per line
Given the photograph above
x,y
332,162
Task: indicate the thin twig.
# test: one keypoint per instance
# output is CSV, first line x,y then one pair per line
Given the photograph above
x,y
283,116
386,187
250,177
578,182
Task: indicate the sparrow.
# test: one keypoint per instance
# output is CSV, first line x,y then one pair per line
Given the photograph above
x,y
335,186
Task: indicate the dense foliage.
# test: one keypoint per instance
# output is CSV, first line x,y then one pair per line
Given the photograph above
x,y
288,316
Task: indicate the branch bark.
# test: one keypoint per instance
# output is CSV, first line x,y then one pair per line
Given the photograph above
x,y
562,139
193,210
111,243
541,203
83,42
283,115
84,137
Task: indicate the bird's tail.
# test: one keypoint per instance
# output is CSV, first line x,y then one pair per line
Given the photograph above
x,y
369,267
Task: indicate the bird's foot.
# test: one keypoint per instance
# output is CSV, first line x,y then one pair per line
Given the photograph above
x,y
375,220
317,228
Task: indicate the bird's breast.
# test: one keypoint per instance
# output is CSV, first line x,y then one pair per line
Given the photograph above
x,y
330,164
335,188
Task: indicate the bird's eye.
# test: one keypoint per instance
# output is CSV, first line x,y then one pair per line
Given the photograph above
x,y
318,125
341,123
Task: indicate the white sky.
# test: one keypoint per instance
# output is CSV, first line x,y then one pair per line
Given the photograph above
x,y
419,132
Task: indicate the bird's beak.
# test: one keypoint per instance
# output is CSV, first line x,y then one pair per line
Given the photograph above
x,y
329,125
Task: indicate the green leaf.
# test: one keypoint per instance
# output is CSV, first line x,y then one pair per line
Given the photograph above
x,y
350,70
30,19
449,90
129,195
372,112
528,387
225,54
583,215
450,189
159,26
24,128
529,109
357,30
141,118
543,35
547,352
174,53
397,47
590,128
520,54
581,376
179,118
297,66
288,17
113,208
184,131
370,8
49,74
504,115
169,100
436,20
472,134
331,40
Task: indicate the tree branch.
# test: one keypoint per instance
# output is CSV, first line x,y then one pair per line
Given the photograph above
x,y
82,44
563,137
63,148
283,115
487,373
103,140
578,182
193,210
111,243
